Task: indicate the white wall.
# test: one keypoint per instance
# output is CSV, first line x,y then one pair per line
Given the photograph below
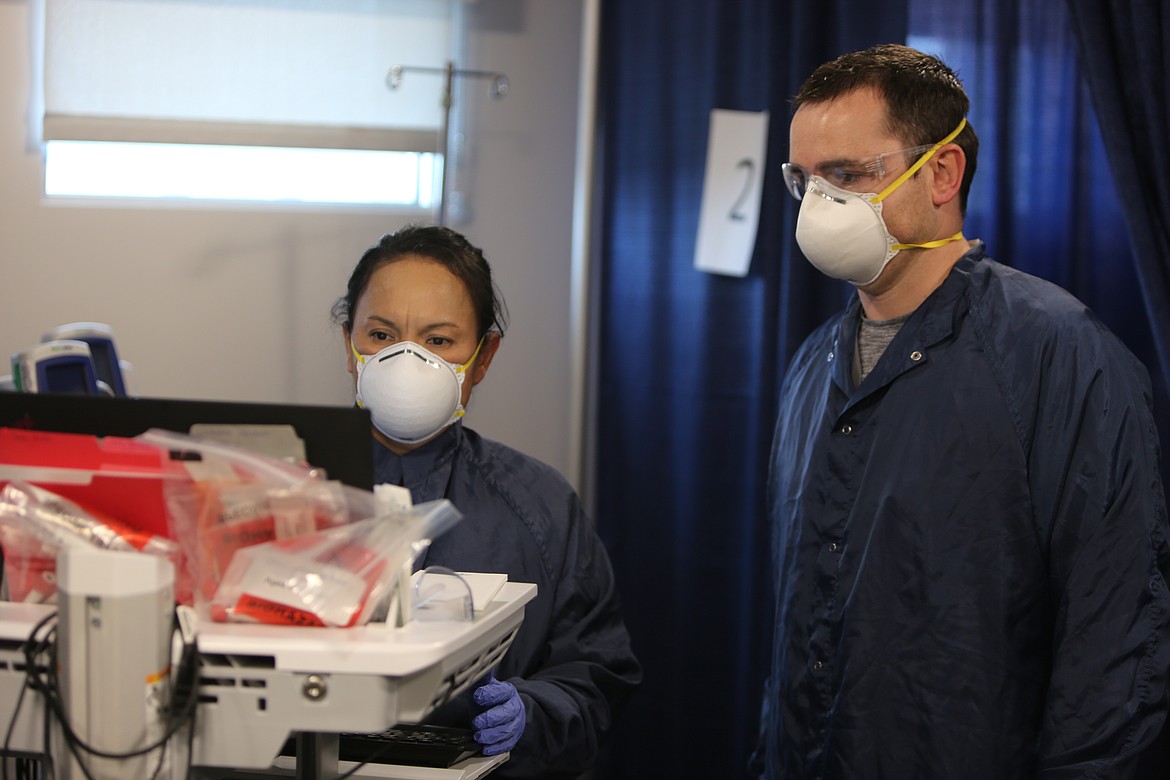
x,y
233,303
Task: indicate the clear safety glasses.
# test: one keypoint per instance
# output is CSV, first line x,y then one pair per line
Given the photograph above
x,y
854,176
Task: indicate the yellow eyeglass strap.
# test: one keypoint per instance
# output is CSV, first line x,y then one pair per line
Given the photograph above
x,y
921,161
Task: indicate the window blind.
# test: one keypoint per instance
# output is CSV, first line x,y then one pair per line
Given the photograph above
x,y
304,73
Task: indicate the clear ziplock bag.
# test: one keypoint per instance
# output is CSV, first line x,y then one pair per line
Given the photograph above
x,y
334,577
234,498
35,524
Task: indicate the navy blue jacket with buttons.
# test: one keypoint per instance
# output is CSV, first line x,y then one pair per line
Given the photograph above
x,y
970,547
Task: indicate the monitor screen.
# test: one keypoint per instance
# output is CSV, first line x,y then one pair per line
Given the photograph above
x,y
336,438
71,375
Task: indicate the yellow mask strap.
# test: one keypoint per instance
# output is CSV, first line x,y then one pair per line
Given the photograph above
x,y
932,244
475,354
921,161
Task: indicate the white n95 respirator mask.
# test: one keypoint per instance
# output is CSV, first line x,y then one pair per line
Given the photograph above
x,y
843,233
411,392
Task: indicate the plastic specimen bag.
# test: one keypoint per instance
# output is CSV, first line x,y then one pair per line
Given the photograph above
x,y
334,577
234,499
35,524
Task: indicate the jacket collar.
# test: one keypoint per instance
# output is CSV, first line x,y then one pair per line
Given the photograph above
x,y
929,325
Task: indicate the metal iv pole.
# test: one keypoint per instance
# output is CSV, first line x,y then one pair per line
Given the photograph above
x,y
498,88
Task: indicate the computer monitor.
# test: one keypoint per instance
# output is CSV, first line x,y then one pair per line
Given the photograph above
x,y
336,438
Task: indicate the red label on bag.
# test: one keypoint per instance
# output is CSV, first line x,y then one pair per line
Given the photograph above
x,y
265,611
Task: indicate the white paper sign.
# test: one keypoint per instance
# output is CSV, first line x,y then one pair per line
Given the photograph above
x,y
730,211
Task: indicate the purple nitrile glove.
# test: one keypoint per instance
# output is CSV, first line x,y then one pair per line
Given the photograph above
x,y
500,721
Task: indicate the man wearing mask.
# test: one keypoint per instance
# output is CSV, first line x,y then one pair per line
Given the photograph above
x,y
970,532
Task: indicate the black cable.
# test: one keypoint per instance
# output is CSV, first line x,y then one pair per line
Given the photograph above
x,y
7,739
191,734
8,735
50,769
32,650
30,660
51,691
172,728
46,737
46,732
162,759
183,700
349,773
179,711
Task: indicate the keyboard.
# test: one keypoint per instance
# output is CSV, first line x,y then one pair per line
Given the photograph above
x,y
431,746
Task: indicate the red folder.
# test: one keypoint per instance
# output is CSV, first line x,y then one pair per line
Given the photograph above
x,y
123,478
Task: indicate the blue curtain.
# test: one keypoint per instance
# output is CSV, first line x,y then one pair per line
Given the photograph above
x,y
1124,48
1125,55
689,363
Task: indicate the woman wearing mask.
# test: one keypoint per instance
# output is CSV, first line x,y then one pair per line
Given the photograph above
x,y
422,320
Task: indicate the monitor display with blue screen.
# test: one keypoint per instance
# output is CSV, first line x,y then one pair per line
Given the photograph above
x,y
73,376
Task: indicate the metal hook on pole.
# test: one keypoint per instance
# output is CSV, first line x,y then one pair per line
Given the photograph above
x,y
498,88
